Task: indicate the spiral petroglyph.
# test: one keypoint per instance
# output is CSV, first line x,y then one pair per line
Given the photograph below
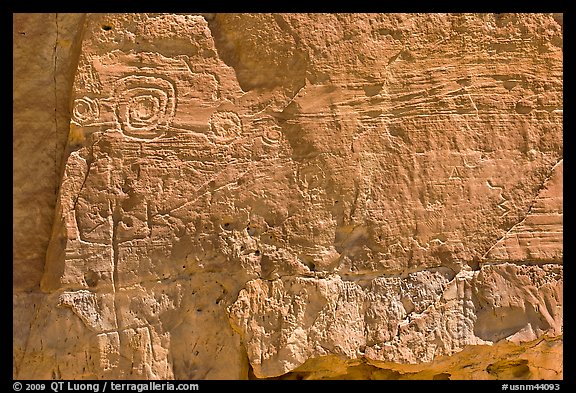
x,y
86,111
145,105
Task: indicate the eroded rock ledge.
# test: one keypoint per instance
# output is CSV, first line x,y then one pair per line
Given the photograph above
x,y
404,320
302,196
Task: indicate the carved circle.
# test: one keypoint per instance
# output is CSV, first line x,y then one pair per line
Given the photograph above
x,y
146,105
225,126
272,136
272,133
85,111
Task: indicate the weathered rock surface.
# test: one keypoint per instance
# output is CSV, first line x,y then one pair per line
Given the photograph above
x,y
307,196
45,53
407,320
42,92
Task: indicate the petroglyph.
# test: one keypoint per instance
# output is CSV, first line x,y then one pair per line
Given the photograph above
x,y
302,195
225,126
145,105
86,111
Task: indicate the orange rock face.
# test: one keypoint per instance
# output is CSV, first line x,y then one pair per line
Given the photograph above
x,y
305,196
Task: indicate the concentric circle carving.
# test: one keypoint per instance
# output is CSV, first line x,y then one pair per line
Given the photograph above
x,y
145,106
85,111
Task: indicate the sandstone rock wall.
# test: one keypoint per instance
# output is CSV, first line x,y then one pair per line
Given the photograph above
x,y
291,196
46,48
